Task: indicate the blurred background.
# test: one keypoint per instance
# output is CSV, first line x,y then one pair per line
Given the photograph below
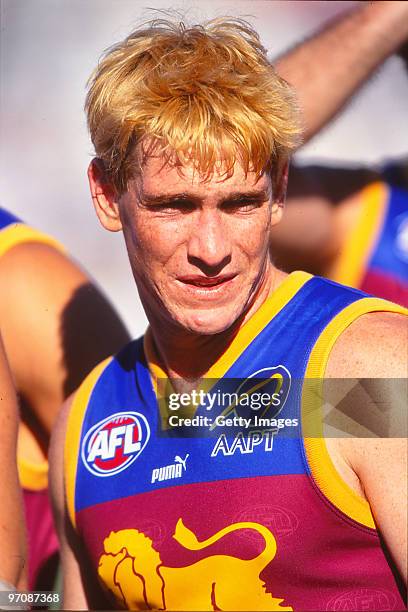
x,y
48,50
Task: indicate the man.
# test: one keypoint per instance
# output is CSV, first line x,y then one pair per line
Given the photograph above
x,y
12,538
56,327
349,224
193,130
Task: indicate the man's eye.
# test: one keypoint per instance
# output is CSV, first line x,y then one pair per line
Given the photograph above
x,y
241,207
175,207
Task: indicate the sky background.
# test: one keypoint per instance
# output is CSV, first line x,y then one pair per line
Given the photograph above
x,y
49,48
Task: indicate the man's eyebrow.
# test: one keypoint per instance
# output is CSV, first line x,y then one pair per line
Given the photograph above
x,y
162,200
259,195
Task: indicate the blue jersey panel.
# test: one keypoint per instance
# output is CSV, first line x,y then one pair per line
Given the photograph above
x,y
6,218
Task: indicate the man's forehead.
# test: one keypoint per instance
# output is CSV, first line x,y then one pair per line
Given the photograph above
x,y
160,176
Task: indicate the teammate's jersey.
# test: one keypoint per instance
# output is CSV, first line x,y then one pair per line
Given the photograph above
x,y
14,231
42,540
228,518
375,255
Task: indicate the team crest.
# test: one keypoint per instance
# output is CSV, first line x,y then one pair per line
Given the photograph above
x,y
114,443
273,383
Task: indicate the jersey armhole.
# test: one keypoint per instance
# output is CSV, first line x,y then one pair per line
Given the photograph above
x,y
73,434
19,233
321,467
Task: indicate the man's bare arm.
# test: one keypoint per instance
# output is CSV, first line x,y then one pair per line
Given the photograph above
x,y
12,530
375,348
328,68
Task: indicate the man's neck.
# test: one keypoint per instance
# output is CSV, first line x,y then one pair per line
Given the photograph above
x,y
188,356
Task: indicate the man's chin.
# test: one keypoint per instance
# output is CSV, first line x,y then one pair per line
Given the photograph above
x,y
206,322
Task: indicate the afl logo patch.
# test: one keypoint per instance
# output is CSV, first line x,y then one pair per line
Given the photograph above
x,y
113,444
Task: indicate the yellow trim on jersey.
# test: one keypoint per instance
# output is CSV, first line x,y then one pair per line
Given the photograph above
x,y
358,247
19,233
33,476
321,466
245,335
262,317
31,461
73,434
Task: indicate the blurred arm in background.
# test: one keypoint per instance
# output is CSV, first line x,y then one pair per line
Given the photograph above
x,y
328,68
12,530
326,205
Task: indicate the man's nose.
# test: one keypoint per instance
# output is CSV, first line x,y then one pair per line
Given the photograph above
x,y
209,246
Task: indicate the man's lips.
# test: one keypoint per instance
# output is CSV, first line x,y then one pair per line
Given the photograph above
x,y
206,282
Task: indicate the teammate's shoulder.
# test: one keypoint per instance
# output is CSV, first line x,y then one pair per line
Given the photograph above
x,y
44,262
38,278
374,345
18,236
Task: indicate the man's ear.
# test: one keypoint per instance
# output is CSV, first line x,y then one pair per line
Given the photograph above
x,y
104,196
280,185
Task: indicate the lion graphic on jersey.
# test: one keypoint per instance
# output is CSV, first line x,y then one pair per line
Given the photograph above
x,y
132,569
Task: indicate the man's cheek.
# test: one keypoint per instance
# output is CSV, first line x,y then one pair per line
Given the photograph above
x,y
146,242
255,246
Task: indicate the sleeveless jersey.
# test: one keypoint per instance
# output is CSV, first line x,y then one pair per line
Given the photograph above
x,y
232,520
42,539
375,256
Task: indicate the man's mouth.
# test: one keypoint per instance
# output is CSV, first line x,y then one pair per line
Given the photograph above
x,y
206,284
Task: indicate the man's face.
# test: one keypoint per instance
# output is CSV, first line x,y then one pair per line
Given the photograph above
x,y
198,248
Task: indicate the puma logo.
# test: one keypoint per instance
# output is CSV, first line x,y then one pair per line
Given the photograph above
x,y
168,472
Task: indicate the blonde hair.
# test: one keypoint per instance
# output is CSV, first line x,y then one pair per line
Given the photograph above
x,y
203,93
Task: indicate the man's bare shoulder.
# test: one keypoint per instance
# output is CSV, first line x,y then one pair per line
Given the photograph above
x,y
369,418
366,377
373,346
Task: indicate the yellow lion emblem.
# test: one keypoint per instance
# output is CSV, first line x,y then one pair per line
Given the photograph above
x,y
132,569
